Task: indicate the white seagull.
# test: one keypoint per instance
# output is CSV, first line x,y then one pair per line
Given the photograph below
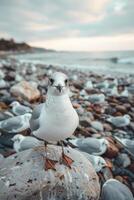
x,y
97,98
119,121
97,161
114,189
89,85
19,109
22,143
16,124
90,145
56,119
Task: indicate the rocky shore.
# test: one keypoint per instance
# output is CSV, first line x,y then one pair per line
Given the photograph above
x,y
105,105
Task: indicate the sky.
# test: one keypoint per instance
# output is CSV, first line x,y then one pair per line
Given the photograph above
x,y
72,25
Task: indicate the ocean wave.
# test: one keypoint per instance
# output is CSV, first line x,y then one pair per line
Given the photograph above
x,y
129,60
112,59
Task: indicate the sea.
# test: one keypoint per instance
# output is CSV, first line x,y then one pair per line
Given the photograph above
x,y
117,62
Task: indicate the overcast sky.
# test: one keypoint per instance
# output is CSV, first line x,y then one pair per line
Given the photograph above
x,y
69,24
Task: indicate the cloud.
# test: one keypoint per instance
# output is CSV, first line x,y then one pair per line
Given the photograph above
x,y
50,20
90,44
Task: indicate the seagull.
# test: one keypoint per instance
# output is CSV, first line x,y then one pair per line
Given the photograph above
x,y
112,92
16,124
56,119
124,93
22,143
97,161
89,85
129,144
90,145
119,121
97,125
97,98
114,189
19,109
102,85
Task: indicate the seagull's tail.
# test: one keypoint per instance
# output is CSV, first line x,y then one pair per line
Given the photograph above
x,y
73,142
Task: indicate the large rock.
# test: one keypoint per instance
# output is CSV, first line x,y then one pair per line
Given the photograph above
x,y
22,177
26,91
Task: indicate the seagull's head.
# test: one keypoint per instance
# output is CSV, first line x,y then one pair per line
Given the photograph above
x,y
17,138
14,103
100,163
127,117
58,84
27,116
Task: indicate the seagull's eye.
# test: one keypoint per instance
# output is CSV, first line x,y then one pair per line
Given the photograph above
x,y
66,81
51,81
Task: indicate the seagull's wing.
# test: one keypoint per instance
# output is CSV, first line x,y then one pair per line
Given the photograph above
x,y
34,121
89,145
11,124
118,120
29,142
20,110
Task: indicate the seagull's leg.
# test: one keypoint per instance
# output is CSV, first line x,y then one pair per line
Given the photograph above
x,y
49,163
66,160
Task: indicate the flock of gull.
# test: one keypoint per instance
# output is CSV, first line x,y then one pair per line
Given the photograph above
x,y
56,120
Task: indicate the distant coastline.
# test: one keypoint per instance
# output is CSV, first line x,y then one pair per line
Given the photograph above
x,y
11,46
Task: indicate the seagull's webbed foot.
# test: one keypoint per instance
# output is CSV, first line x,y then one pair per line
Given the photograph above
x,y
66,160
49,164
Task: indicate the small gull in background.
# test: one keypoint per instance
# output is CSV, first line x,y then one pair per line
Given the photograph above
x,y
56,119
129,144
19,109
89,85
119,121
112,92
16,124
97,125
97,98
124,93
115,190
5,115
102,85
97,161
22,143
90,145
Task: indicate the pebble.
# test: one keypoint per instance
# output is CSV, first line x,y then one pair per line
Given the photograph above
x,y
25,90
31,81
97,125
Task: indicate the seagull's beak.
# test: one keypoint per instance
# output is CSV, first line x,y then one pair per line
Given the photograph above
x,y
59,87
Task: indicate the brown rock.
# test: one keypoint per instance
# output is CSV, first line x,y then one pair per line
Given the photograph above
x,y
112,150
119,178
76,105
107,127
121,109
25,90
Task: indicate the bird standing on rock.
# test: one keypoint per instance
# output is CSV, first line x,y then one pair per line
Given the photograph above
x,y
56,119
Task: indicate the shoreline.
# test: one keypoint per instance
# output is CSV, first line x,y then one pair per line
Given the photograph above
x,y
16,78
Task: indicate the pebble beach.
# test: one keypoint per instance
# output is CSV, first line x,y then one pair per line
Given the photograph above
x,y
104,103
